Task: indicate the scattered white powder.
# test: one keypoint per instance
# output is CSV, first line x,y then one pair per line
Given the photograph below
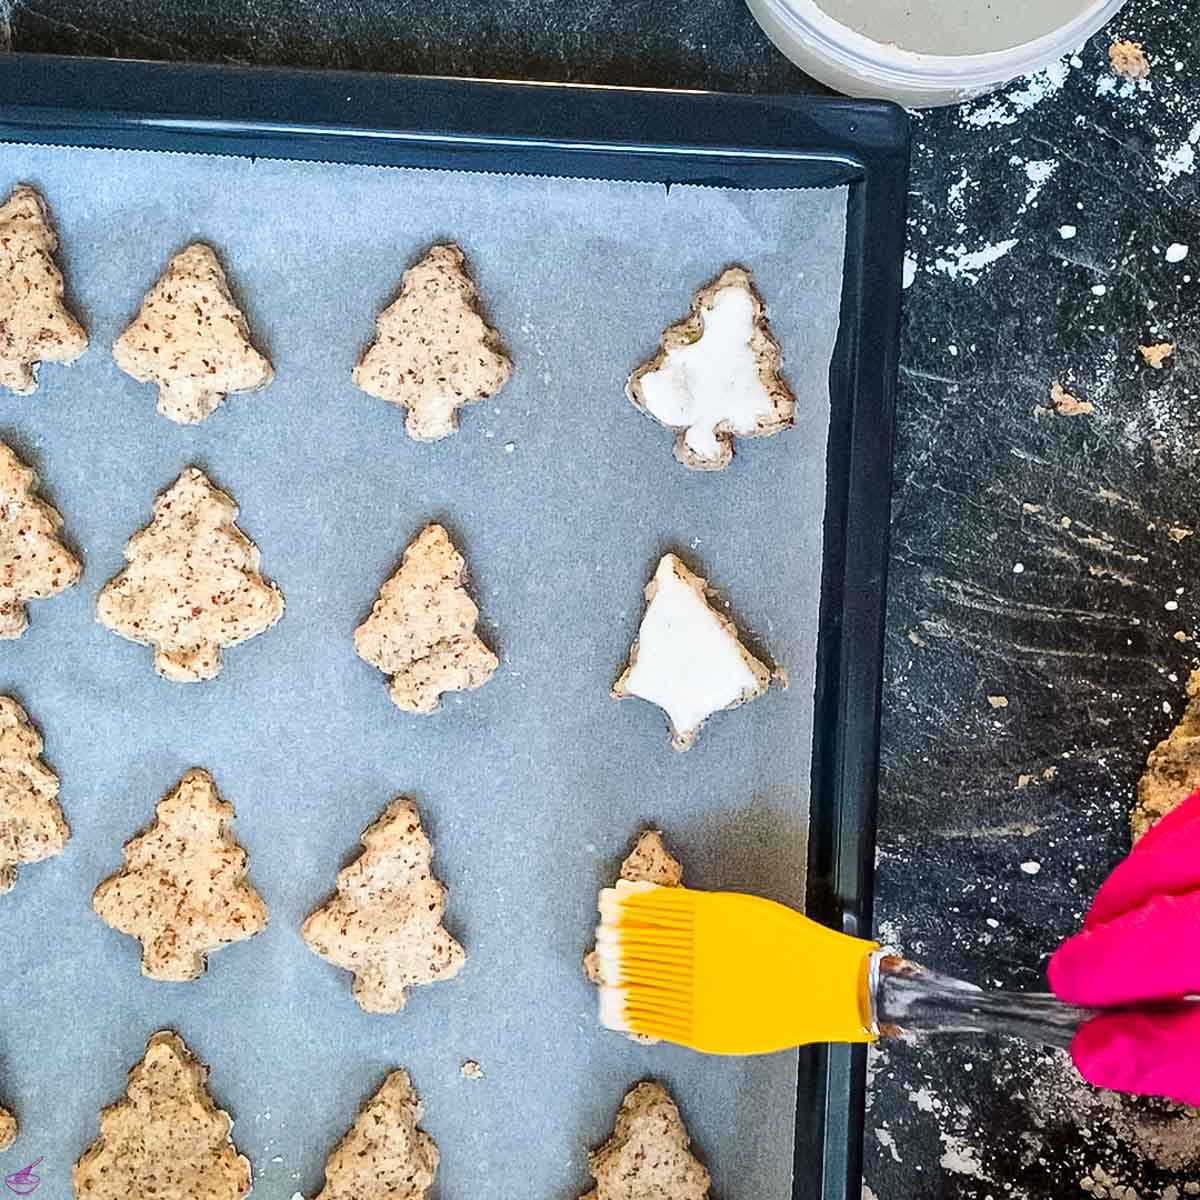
x,y
910,270
956,191
960,1156
1176,252
1099,289
1031,867
1181,160
1067,232
888,1142
1005,108
1038,172
967,264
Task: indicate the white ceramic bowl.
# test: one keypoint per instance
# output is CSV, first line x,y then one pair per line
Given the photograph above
x,y
859,66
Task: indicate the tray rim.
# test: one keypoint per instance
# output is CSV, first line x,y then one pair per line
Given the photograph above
x,y
605,131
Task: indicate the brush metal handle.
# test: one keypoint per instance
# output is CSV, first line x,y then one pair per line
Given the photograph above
x,y
909,999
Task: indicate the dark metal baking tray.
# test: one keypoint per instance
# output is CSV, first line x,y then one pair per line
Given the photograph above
x,y
623,134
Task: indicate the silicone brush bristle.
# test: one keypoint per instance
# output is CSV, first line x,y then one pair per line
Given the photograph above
x,y
726,973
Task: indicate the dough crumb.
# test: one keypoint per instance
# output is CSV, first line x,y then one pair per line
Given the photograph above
x,y
471,1070
1031,508
384,922
183,891
998,701
191,339
688,658
1177,533
1180,636
385,1154
32,826
35,325
1172,769
166,1137
1023,781
191,585
648,1155
34,563
1067,405
1155,356
421,631
716,375
8,1128
1128,60
433,352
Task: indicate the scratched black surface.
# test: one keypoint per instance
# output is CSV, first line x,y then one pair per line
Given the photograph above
x,y
1077,638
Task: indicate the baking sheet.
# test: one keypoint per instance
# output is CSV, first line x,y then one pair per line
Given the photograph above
x,y
562,497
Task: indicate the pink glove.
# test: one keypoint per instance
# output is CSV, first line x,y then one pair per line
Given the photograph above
x,y
1140,944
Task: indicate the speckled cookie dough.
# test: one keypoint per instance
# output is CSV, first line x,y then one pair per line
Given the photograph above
x,y
8,1128
384,922
32,826
421,630
1172,771
716,375
688,658
183,891
192,340
385,1155
35,324
165,1138
192,585
433,352
648,1154
34,564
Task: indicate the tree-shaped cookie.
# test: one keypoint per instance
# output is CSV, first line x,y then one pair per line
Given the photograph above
x,y
183,890
385,1155
1172,771
34,564
165,1139
384,922
432,351
716,375
191,339
192,584
421,630
35,324
648,1155
32,827
688,658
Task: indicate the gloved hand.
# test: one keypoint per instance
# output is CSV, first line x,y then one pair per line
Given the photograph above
x,y
1140,945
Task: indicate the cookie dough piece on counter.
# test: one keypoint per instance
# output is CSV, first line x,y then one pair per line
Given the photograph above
x,y
716,375
35,324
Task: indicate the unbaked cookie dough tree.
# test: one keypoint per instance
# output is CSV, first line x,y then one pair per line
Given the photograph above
x,y
32,827
183,891
385,1155
34,564
432,351
192,585
688,658
384,922
165,1138
648,1153
191,339
8,1128
421,630
716,375
35,324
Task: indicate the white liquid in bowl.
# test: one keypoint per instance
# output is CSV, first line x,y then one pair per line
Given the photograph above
x,y
955,26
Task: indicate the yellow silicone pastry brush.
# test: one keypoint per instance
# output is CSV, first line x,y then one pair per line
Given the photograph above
x,y
727,973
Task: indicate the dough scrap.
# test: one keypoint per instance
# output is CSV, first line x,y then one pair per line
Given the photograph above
x,y
1156,355
688,658
8,1128
648,1156
1067,405
1128,60
648,862
1172,771
32,827
433,352
183,891
385,1155
191,585
165,1138
384,922
716,375
35,325
34,564
191,339
421,630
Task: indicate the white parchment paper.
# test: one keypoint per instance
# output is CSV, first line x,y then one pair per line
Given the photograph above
x,y
562,497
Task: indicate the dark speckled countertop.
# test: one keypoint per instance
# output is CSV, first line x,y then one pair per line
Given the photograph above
x,y
1041,610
